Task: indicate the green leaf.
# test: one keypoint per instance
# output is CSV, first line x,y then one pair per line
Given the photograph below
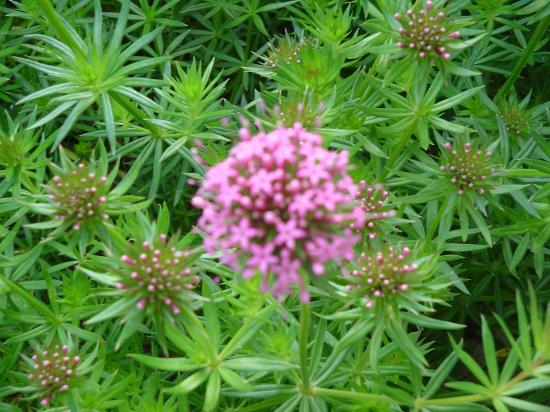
x,y
211,320
190,383
432,323
440,375
480,222
253,363
455,100
234,380
113,310
524,405
403,340
471,364
212,391
167,364
489,351
100,277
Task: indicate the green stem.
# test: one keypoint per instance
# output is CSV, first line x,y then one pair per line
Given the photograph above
x,y
540,31
398,149
59,26
37,304
136,114
236,339
196,330
305,322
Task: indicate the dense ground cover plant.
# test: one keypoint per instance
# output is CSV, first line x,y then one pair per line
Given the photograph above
x,y
248,205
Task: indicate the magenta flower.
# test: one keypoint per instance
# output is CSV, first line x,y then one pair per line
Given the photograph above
x,y
278,204
79,196
373,199
466,168
53,371
158,274
426,33
382,274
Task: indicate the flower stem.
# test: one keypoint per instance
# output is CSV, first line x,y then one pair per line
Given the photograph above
x,y
59,26
305,322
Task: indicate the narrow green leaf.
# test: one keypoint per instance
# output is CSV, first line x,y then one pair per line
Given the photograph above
x,y
489,351
252,363
167,364
190,383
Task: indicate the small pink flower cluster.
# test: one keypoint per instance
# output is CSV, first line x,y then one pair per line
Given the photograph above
x,y
425,32
79,196
373,200
307,114
380,274
280,202
515,120
467,169
158,273
53,371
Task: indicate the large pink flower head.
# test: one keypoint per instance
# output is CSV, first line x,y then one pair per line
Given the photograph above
x,y
280,202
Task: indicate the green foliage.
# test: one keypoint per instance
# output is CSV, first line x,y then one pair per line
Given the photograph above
x,y
113,112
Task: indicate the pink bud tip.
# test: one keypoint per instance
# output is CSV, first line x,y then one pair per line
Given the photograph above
x,y
318,268
198,202
397,16
44,401
454,35
127,260
64,388
481,190
409,13
422,54
141,304
429,5
175,309
76,359
446,56
460,192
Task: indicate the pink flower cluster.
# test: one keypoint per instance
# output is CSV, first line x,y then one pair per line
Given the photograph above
x,y
79,196
53,371
382,273
426,32
466,168
158,273
373,199
280,202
